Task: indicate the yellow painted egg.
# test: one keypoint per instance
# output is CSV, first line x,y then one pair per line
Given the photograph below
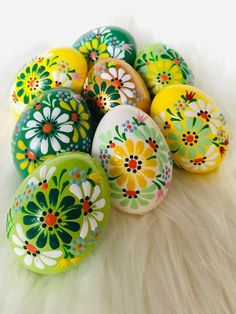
x,y
194,127
113,82
60,67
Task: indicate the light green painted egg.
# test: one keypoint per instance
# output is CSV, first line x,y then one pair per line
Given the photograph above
x,y
58,213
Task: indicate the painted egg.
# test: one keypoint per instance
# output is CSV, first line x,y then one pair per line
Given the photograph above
x,y
136,158
112,82
194,127
59,213
161,66
106,42
56,121
60,67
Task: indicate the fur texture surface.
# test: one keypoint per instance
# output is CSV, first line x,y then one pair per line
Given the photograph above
x,y
179,258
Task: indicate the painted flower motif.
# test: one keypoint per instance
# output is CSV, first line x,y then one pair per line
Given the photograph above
x,y
129,126
202,162
104,97
180,105
79,117
72,148
163,73
49,127
31,253
104,157
221,135
116,52
78,176
222,118
91,205
44,177
100,32
127,47
132,197
61,79
17,204
95,235
87,144
163,122
28,160
28,193
121,81
138,95
63,96
78,246
52,219
191,137
206,112
166,173
32,81
94,50
63,66
132,164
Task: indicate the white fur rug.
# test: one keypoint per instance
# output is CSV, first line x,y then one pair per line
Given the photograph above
x,y
179,258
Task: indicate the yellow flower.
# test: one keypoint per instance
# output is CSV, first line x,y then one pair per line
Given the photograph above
x,y
94,50
28,160
95,177
132,164
163,73
63,263
79,117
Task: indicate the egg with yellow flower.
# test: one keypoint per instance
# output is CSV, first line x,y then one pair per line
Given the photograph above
x,y
59,67
194,127
55,122
135,157
162,66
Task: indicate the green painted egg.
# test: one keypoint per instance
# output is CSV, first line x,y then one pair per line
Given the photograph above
x,y
57,121
107,42
161,66
59,213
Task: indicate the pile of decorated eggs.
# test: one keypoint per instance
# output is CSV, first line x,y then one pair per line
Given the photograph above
x,y
84,140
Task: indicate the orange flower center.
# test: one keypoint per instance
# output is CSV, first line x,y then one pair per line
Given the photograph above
x,y
189,138
75,117
198,160
47,128
176,61
130,193
86,206
132,164
117,83
32,83
79,246
204,115
50,219
30,155
99,102
163,77
44,186
93,55
31,248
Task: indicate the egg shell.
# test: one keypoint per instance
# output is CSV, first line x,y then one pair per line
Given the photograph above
x,y
59,67
194,127
136,158
59,213
106,42
161,66
56,121
112,82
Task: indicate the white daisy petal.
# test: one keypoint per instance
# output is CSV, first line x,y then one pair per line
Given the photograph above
x,y
210,150
63,138
126,77
38,263
84,229
55,113
63,118
129,85
203,167
121,72
195,168
106,76
96,193
128,92
33,180
216,122
53,254
30,133
212,157
19,251
194,106
209,108
86,188
76,190
46,113
42,172
28,259
20,232
62,77
34,143
215,114
98,216
123,98
67,128
44,146
210,163
99,204
55,75
32,124
50,173
213,128
68,83
190,113
201,105
93,223
47,261
38,116
55,144
113,72
17,241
